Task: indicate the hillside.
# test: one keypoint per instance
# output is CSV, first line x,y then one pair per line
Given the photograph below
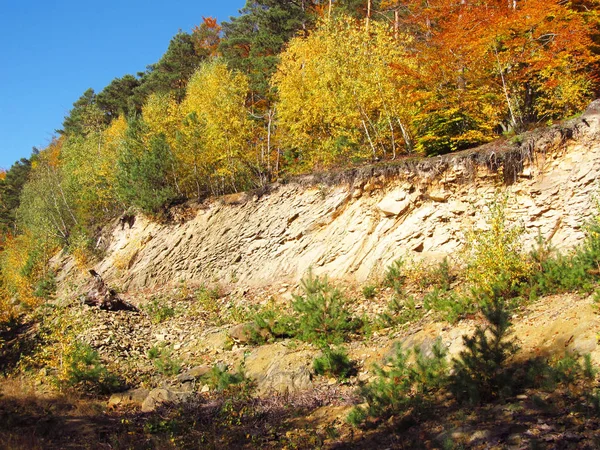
x,y
353,224
215,343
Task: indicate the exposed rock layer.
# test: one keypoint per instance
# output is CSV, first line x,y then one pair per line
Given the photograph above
x,y
355,228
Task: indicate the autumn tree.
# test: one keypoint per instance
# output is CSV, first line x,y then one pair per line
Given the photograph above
x,y
207,37
214,138
494,65
47,203
339,97
88,167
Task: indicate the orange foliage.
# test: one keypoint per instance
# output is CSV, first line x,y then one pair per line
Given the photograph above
x,y
508,54
52,153
207,37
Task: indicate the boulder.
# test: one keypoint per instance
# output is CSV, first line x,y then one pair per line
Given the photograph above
x,y
391,207
438,195
133,397
278,369
243,332
193,374
159,396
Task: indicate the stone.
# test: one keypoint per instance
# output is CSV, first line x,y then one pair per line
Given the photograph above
x,y
391,207
159,396
193,374
242,333
214,340
278,369
438,195
369,186
134,397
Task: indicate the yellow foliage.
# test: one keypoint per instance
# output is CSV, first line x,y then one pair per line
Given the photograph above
x,y
89,168
23,262
162,115
339,97
213,143
494,254
59,336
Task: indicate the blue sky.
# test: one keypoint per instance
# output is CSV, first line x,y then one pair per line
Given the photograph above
x,y
52,51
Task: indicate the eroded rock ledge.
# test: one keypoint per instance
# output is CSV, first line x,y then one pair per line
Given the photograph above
x,y
353,223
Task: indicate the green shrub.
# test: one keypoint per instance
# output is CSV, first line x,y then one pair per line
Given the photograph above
x,y
565,370
165,364
270,323
322,314
588,370
369,291
220,378
334,362
481,371
563,273
158,312
400,310
439,277
403,384
84,368
394,276
449,305
578,270
207,305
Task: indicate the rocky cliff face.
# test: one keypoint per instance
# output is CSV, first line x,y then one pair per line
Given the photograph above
x,y
355,223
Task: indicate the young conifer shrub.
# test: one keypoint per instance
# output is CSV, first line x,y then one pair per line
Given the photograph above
x,y
395,276
334,362
162,356
84,369
322,315
410,380
449,305
220,378
481,372
578,270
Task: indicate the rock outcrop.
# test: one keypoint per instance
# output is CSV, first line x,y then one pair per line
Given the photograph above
x,y
355,225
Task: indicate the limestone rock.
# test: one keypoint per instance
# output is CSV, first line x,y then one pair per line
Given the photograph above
x,y
242,333
135,397
278,369
391,207
438,195
293,227
214,340
159,396
193,374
